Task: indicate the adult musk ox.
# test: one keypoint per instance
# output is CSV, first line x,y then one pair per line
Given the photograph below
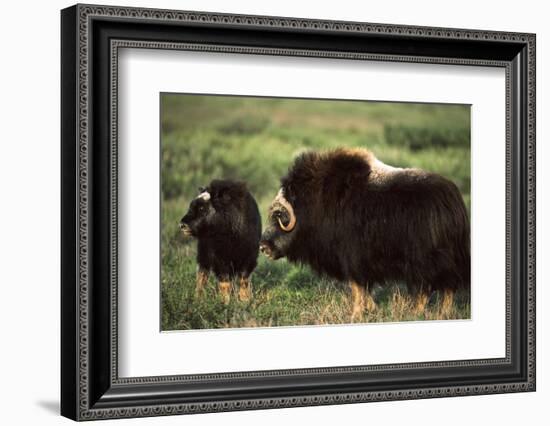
x,y
356,219
224,218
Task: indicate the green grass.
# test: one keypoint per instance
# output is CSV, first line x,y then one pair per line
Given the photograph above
x,y
255,140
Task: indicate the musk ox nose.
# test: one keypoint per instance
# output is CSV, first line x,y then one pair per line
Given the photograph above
x,y
184,227
265,248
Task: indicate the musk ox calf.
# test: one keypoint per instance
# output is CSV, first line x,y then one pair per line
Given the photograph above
x,y
224,218
353,218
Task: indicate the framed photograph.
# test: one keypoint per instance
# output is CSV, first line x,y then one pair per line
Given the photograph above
x,y
263,212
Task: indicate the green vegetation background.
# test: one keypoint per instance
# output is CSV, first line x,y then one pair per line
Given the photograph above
x,y
255,140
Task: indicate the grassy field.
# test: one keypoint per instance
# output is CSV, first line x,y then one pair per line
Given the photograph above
x,y
255,140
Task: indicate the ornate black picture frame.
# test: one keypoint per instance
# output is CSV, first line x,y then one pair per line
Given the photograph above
x,y
90,385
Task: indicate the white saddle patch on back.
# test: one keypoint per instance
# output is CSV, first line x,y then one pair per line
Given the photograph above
x,y
381,167
382,174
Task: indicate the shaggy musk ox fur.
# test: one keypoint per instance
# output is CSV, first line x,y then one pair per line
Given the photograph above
x,y
224,217
353,218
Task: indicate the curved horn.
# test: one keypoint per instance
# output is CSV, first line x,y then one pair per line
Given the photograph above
x,y
283,202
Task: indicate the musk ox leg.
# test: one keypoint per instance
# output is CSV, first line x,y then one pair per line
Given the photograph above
x,y
421,297
225,290
202,280
245,289
358,300
447,303
370,304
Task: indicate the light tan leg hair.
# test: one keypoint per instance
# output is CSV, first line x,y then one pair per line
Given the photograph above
x,y
358,300
447,303
420,302
245,289
370,304
202,280
225,291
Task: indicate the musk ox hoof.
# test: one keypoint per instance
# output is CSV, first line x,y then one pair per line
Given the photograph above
x,y
356,316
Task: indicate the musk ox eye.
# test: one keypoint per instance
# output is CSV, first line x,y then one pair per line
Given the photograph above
x,y
278,215
282,219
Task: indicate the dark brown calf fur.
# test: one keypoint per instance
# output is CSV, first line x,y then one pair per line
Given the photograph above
x,y
224,217
364,222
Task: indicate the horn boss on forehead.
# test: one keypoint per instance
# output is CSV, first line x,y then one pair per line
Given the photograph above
x,y
280,199
204,196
